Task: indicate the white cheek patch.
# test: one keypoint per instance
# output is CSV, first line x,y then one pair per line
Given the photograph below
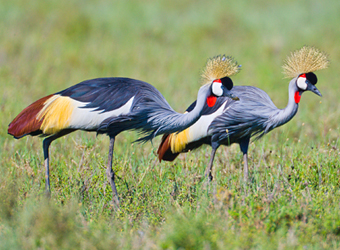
x,y
217,88
301,83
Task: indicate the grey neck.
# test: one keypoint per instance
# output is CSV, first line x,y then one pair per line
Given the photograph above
x,y
176,122
285,115
192,116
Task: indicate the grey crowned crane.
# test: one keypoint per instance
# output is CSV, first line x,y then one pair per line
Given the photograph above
x,y
254,115
110,106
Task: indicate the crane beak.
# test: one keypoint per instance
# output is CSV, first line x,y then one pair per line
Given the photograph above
x,y
227,92
312,88
232,96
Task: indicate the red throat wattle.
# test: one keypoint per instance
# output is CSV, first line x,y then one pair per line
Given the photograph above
x,y
297,96
211,100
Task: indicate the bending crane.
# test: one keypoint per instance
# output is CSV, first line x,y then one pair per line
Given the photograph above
x,y
110,106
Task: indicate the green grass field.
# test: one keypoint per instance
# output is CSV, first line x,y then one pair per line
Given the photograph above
x,y
293,198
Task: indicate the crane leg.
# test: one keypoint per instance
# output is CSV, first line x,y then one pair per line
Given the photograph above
x,y
244,144
111,174
46,144
210,165
245,167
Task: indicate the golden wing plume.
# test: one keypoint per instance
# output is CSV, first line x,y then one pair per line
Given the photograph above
x,y
219,67
305,60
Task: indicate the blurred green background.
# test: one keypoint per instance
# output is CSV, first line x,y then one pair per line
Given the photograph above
x,y
293,199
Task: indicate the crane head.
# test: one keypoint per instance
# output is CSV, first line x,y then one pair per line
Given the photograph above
x,y
306,82
222,87
300,66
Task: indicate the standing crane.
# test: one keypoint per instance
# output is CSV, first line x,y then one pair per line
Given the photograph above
x,y
110,106
253,115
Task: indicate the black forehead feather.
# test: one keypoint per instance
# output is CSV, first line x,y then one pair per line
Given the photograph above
x,y
227,82
311,77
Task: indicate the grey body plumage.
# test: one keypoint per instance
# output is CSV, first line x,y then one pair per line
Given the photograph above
x,y
253,115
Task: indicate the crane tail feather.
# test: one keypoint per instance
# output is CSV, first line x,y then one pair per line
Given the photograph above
x,y
26,122
164,150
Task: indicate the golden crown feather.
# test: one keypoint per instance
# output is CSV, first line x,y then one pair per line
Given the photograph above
x,y
305,60
218,67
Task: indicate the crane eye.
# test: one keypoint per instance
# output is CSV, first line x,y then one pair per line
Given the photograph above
x,y
216,88
301,82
